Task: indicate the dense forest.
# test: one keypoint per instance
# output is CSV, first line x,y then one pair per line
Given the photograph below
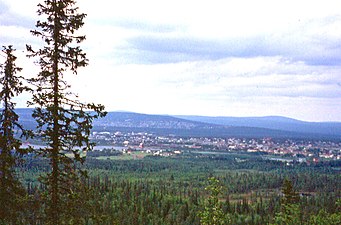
x,y
161,190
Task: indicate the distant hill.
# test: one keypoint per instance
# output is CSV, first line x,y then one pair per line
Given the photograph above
x,y
129,119
161,124
273,122
257,127
25,118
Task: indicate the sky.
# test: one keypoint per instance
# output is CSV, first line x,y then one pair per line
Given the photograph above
x,y
204,57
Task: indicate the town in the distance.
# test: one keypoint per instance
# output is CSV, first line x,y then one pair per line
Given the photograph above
x,y
286,150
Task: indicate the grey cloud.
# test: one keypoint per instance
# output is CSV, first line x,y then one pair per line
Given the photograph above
x,y
295,86
296,91
9,18
303,91
17,20
168,49
277,80
139,25
159,45
3,8
318,50
147,27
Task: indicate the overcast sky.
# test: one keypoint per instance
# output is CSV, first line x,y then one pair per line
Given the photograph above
x,y
215,58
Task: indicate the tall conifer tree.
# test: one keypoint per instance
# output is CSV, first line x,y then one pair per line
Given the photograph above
x,y
290,195
10,188
212,213
64,122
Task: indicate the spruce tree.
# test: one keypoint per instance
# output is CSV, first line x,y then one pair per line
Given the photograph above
x,y
212,213
11,190
64,123
290,195
290,210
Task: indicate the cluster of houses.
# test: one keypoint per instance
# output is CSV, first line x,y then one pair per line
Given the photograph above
x,y
170,145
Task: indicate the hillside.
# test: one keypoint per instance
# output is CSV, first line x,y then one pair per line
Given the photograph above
x,y
276,127
273,122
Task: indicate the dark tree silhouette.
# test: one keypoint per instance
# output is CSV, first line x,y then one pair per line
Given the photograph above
x,y
64,122
290,195
10,188
290,213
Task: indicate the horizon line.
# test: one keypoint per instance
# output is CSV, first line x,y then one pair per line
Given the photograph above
x,y
191,115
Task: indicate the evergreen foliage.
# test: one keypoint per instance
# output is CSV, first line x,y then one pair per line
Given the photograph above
x,y
64,122
170,191
11,190
325,218
213,213
290,195
290,215
290,210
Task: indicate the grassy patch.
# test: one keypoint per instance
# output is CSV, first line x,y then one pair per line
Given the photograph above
x,y
125,156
